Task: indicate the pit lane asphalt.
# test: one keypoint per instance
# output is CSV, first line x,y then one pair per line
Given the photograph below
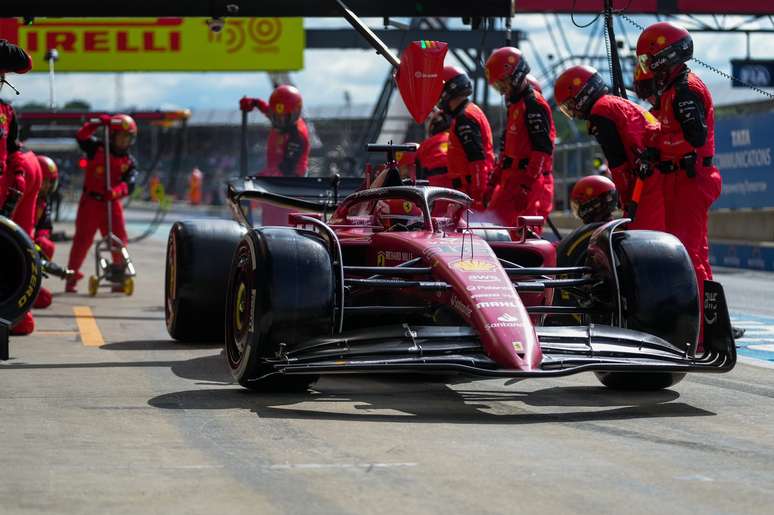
x,y
144,425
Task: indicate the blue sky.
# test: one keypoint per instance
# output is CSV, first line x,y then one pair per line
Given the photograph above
x,y
328,74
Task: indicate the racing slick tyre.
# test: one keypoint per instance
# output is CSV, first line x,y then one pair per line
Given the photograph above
x,y
281,293
659,296
639,381
198,260
22,272
571,250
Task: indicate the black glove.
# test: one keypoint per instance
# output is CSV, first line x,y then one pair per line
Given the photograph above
x,y
643,169
645,161
688,163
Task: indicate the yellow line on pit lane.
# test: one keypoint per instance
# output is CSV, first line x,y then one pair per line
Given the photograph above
x,y
87,325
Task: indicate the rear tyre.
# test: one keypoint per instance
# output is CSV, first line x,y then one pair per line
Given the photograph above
x,y
198,260
659,296
21,271
280,294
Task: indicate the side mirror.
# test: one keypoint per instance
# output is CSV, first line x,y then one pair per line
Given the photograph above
x,y
419,77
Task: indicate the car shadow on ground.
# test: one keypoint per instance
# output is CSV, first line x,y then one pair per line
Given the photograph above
x,y
416,400
146,345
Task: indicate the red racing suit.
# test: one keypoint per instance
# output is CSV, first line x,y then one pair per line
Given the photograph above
x,y
471,156
43,227
21,182
686,144
22,176
92,208
624,130
521,182
287,153
9,131
433,160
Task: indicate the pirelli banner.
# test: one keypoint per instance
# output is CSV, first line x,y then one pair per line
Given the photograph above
x,y
744,154
161,44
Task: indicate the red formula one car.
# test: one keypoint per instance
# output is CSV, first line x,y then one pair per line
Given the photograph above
x,y
378,283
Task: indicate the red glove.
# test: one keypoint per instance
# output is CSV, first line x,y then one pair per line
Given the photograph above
x,y
624,182
91,126
521,196
492,182
118,192
246,104
479,175
537,161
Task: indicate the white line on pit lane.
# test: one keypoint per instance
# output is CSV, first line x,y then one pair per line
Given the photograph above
x,y
317,466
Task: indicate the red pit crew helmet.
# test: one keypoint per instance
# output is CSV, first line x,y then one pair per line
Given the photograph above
x,y
506,70
662,46
594,198
577,89
123,131
50,175
456,83
285,105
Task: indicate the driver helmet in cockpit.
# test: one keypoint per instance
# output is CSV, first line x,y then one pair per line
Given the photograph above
x,y
398,214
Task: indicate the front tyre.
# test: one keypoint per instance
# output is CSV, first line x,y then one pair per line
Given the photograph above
x,y
280,294
639,381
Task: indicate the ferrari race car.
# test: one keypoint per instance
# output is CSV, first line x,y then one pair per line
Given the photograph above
x,y
398,279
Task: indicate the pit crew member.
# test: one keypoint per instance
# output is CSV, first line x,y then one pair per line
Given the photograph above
x,y
19,188
97,197
470,158
43,225
686,141
287,150
623,130
521,184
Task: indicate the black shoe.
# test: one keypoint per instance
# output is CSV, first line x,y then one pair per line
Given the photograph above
x,y
738,332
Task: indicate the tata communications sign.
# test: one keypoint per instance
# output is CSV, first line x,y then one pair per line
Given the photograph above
x,y
160,44
745,157
756,72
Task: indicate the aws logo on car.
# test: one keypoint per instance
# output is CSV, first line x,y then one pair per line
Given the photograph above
x,y
473,265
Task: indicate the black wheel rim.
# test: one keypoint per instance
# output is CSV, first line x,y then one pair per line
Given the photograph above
x,y
240,307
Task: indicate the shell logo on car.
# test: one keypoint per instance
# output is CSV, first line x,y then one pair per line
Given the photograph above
x,y
473,265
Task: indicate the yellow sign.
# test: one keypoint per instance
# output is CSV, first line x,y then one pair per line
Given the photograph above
x,y
161,44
